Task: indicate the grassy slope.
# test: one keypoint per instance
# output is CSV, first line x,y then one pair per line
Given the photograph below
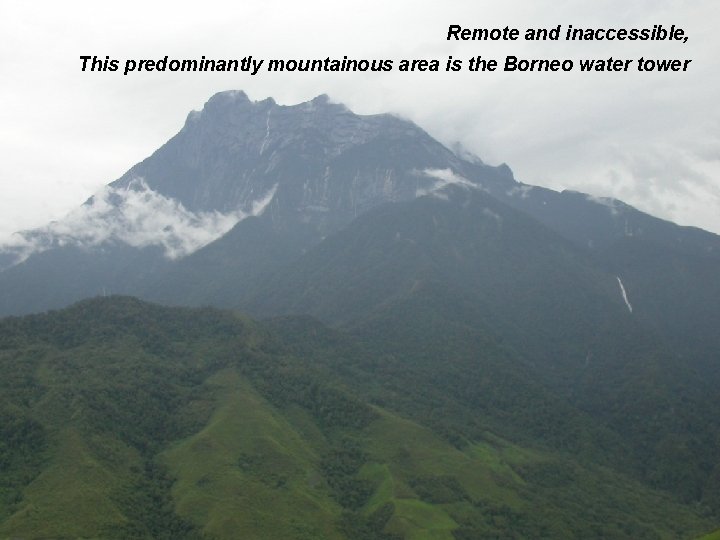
x,y
72,496
253,458
249,473
485,489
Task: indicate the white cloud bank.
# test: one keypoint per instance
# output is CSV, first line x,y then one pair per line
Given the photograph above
x,y
443,178
137,216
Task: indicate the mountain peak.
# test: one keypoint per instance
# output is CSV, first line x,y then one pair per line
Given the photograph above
x,y
322,99
238,99
229,96
314,165
319,153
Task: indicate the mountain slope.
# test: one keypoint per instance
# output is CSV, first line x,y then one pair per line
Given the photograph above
x,y
437,277
547,341
162,422
177,226
672,273
311,167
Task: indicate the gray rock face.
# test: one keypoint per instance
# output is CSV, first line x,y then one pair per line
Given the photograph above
x,y
308,170
326,164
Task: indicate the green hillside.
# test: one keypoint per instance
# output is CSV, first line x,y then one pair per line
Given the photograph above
x,y
122,419
493,312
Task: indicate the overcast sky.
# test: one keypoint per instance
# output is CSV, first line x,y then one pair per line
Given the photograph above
x,y
650,139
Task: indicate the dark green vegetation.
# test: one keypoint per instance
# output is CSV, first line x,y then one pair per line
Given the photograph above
x,y
122,419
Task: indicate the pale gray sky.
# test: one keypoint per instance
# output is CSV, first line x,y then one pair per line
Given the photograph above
x,y
651,139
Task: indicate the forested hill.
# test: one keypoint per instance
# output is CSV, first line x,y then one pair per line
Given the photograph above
x,y
122,419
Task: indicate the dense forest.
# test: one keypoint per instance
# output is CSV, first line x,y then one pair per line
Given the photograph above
x,y
123,419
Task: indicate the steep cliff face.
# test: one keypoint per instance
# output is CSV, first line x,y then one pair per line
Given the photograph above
x,y
324,164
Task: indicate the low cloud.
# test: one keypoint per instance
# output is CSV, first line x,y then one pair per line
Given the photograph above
x,y
521,190
611,203
492,215
135,215
443,178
